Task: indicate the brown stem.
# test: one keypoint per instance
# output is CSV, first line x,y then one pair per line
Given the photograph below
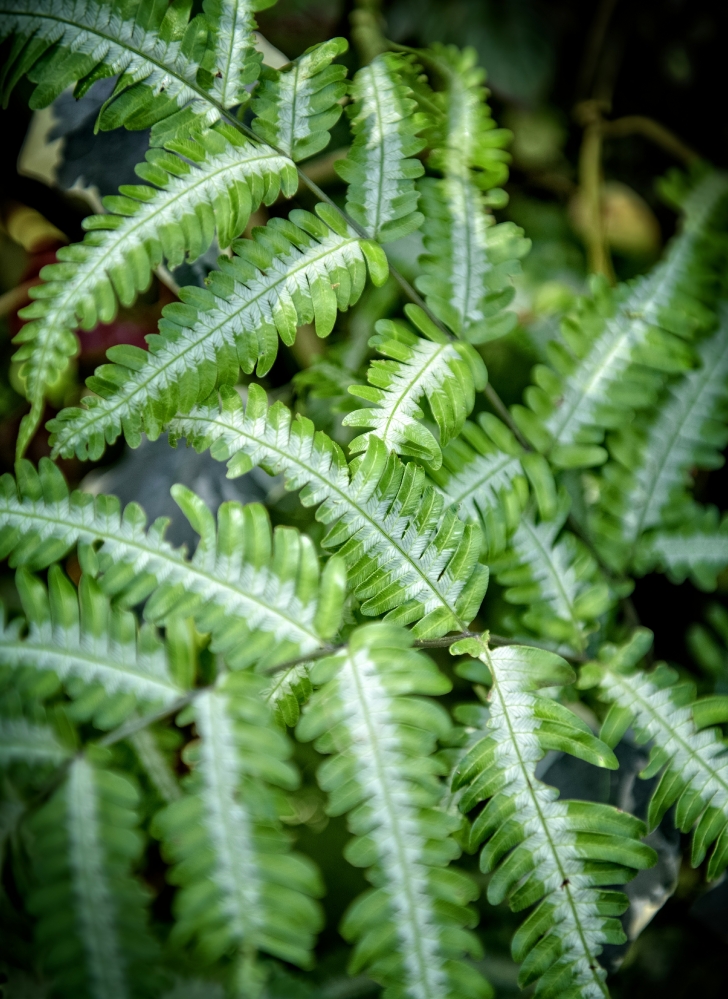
x,y
637,124
590,183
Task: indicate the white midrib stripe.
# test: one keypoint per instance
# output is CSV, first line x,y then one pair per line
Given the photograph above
x,y
359,675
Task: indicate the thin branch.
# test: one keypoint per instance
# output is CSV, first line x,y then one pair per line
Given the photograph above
x,y
637,124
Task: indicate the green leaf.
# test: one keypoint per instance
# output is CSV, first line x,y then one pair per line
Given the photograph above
x,y
408,928
407,556
542,850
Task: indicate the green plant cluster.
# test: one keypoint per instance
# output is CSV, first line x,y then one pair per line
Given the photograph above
x,y
156,705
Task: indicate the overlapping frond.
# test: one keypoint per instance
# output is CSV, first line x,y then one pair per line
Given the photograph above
x,y
259,592
686,744
550,571
29,743
185,74
231,59
646,486
91,921
297,105
240,888
618,347
463,137
539,849
106,663
407,555
697,549
469,260
201,187
380,168
410,928
445,372
292,272
151,46
486,473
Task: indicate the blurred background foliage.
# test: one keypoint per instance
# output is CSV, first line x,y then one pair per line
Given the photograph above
x,y
557,69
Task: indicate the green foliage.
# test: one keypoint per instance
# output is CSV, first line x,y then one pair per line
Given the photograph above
x,y
408,928
539,849
298,105
553,573
292,272
647,484
239,887
446,373
687,748
616,349
380,169
202,186
406,556
258,592
184,670
91,922
109,666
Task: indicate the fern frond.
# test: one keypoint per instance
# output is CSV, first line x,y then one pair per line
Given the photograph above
x,y
469,261
239,887
698,549
486,473
232,60
539,849
445,372
181,73
646,484
464,139
297,105
150,46
155,766
257,591
379,168
287,691
96,650
409,928
406,554
23,741
201,186
290,273
92,933
686,746
618,348
552,573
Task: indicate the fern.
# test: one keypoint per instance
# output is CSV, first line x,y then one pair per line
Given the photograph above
x,y
259,594
297,106
249,635
291,273
240,890
408,927
406,557
539,849
96,650
22,741
698,549
233,62
552,572
686,747
221,178
168,67
469,260
446,373
486,473
379,168
92,926
646,484
617,349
